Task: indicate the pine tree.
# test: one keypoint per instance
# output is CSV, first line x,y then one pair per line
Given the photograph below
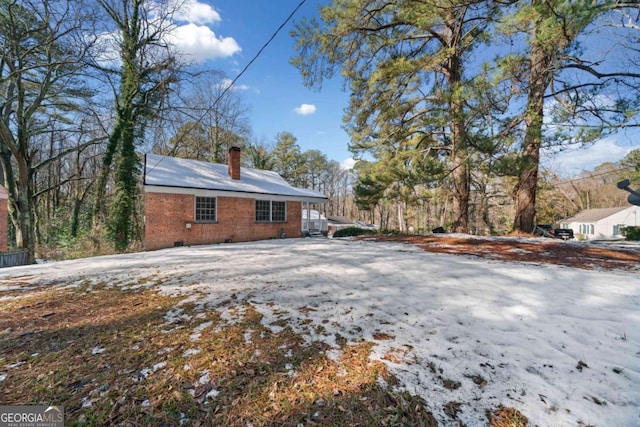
x,y
405,65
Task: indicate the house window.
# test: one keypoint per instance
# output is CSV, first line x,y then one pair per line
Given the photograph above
x,y
278,211
263,210
270,211
587,229
205,209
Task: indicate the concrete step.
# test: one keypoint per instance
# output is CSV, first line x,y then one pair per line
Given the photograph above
x,y
315,234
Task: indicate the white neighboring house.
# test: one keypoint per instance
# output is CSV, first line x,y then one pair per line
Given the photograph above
x,y
605,223
313,221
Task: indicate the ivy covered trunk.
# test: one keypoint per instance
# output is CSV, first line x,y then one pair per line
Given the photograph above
x,y
121,226
24,225
142,80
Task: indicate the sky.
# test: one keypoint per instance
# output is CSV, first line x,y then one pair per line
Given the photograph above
x,y
610,149
227,35
559,344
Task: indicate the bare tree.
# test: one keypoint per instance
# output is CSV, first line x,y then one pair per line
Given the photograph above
x,y
140,76
41,60
209,117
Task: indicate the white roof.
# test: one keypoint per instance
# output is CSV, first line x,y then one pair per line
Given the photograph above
x,y
595,215
314,214
164,171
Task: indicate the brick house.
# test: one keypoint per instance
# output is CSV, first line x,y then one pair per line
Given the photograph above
x,y
4,219
189,202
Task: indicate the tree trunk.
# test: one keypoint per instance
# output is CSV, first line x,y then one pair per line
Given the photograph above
x,y
400,217
20,190
99,214
23,209
461,185
121,225
524,195
460,165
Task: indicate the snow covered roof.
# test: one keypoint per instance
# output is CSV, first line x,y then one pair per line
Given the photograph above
x,y
174,172
314,214
593,215
339,220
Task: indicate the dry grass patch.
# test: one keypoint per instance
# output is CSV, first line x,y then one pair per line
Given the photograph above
x,y
136,358
542,250
506,417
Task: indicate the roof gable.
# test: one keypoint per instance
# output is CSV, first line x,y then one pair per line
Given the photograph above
x,y
593,215
164,171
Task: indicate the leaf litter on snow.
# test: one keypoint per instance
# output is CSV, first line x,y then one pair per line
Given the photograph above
x,y
464,334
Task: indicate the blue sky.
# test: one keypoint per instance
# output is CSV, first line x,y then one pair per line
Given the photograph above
x,y
226,35
271,87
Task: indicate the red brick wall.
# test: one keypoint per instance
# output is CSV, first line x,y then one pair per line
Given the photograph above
x,y
4,224
166,217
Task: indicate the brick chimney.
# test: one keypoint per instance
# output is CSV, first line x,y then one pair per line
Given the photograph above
x,y
234,162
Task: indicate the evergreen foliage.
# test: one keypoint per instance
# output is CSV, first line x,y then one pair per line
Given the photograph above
x,y
412,99
353,231
453,105
631,233
631,164
423,90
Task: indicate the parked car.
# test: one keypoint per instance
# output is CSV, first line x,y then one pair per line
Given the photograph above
x,y
563,233
547,230
543,230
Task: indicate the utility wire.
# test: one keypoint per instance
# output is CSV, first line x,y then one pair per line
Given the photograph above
x,y
264,46
592,175
240,74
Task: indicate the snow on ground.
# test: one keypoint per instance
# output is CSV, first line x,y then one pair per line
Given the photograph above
x,y
562,345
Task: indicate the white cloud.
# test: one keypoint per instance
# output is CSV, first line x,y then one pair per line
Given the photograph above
x,y
105,49
195,40
193,11
348,164
576,160
225,83
305,109
200,43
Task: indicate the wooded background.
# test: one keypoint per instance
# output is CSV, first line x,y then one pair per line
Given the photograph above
x,y
451,103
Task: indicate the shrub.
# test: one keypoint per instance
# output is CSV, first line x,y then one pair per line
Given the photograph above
x,y
389,231
631,233
352,231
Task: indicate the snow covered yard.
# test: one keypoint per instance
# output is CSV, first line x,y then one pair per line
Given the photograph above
x,y
559,344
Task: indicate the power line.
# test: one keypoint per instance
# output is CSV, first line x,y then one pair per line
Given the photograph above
x,y
264,46
592,175
240,74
